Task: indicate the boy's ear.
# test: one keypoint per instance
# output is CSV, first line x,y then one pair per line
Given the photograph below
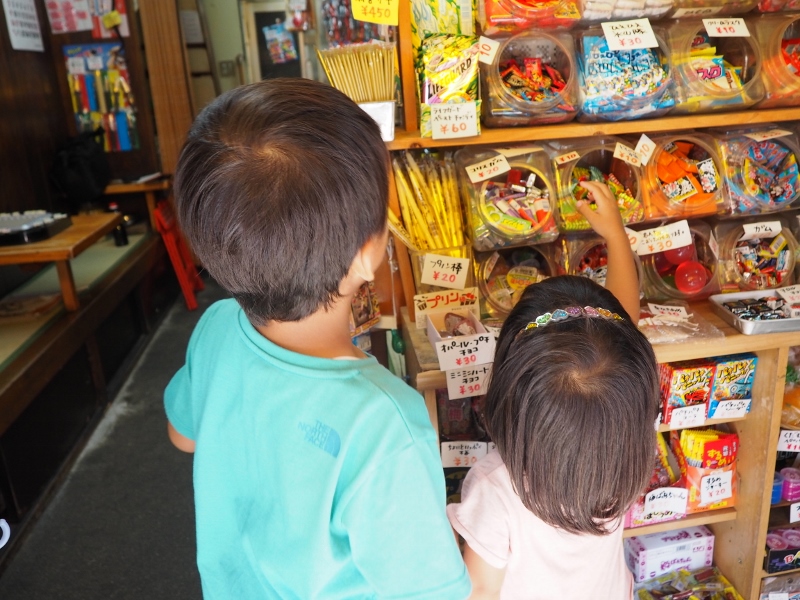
x,y
369,257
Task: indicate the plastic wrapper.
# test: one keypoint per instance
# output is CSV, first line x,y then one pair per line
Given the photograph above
x,y
446,16
711,8
460,419
532,81
779,38
622,84
683,177
707,583
761,176
675,328
710,488
594,161
510,16
514,207
771,6
595,11
713,73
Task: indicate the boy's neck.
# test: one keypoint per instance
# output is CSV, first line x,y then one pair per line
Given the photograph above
x,y
324,334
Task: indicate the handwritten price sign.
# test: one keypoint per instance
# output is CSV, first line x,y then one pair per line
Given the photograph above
x,y
668,310
726,27
696,12
487,49
445,271
383,12
629,35
763,136
790,294
627,154
465,383
764,229
465,351
688,416
732,409
674,235
462,454
568,157
789,441
445,301
716,487
491,167
454,120
645,148
666,500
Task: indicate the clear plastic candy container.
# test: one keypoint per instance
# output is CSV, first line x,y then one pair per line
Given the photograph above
x,y
779,38
587,256
509,16
771,6
755,263
503,275
711,8
595,11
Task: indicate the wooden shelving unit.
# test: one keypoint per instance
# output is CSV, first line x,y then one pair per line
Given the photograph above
x,y
703,518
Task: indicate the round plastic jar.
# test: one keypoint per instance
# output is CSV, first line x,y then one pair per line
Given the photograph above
x,y
503,275
710,8
779,37
759,263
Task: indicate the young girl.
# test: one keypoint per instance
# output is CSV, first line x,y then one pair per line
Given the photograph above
x,y
571,406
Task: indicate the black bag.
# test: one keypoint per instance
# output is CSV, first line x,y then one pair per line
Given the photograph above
x,y
81,171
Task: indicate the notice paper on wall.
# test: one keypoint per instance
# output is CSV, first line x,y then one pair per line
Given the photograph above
x,y
23,25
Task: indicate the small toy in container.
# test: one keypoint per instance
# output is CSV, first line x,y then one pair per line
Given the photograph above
x,y
574,163
779,38
713,73
622,84
761,169
510,16
532,81
503,275
595,11
682,177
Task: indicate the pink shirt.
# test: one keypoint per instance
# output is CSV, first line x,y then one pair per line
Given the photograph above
x,y
541,562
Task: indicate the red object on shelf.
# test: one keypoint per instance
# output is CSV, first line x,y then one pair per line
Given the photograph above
x,y
179,254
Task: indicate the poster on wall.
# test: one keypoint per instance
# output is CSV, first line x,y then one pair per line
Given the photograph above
x,y
106,13
66,16
101,93
23,25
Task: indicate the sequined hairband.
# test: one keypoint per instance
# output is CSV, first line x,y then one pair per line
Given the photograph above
x,y
562,314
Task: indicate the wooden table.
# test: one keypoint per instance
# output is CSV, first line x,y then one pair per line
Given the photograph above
x,y
149,189
62,247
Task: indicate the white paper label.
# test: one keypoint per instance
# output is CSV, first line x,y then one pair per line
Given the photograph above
x,y
762,136
462,454
730,27
778,596
790,294
454,120
487,48
687,416
713,245
674,235
76,65
445,301
763,229
732,409
716,487
445,271
696,12
629,35
634,237
95,63
627,154
491,167
465,351
568,157
668,310
668,499
645,148
794,512
465,383
789,441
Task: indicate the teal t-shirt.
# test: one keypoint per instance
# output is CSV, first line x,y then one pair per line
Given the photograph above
x,y
313,477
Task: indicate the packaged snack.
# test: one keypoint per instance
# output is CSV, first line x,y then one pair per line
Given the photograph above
x,y
509,16
654,554
684,384
595,11
706,583
733,380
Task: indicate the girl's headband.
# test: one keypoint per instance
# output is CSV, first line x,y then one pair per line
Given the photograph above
x,y
562,314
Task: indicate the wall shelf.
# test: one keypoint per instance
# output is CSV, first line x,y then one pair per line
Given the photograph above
x,y
693,520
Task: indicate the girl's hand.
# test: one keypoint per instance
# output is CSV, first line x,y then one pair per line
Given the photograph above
x,y
606,219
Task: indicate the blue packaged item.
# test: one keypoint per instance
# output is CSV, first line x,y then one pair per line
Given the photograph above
x,y
777,488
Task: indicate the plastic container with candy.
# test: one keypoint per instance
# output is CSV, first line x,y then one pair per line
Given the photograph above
x,y
758,254
711,8
515,206
532,81
503,275
622,84
595,11
779,38
685,273
682,177
761,175
593,160
509,16
771,6
587,256
713,73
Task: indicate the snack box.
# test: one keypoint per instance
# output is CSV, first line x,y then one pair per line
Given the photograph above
x,y
733,380
654,554
746,326
686,384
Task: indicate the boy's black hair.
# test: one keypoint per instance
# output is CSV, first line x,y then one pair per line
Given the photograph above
x,y
278,186
572,405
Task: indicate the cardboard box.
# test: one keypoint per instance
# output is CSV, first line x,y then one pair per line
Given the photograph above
x,y
654,554
463,350
686,384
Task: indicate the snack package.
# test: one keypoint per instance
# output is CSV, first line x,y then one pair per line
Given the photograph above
x,y
674,322
510,16
706,583
684,384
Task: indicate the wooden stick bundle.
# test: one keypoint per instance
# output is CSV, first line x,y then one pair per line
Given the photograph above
x,y
365,72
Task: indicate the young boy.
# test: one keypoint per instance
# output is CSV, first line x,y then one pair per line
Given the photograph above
x,y
316,472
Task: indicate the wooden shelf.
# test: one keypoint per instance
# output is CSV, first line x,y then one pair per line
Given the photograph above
x,y
693,520
764,574
708,423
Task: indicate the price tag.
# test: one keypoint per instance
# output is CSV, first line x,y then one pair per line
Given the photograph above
x,y
445,301
627,154
674,235
794,512
445,271
454,120
668,310
778,596
645,148
634,237
487,48
764,229
629,35
94,63
763,136
713,245
696,12
716,487
491,167
688,416
465,383
731,27
76,65
568,157
668,499
790,294
789,441
462,454
383,12
732,409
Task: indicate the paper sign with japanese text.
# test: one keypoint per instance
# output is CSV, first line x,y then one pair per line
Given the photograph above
x,y
629,35
688,416
486,169
696,12
763,229
763,136
667,499
445,271
674,235
627,154
382,12
732,409
468,382
634,237
462,454
568,157
444,301
716,487
454,120
487,48
790,294
669,310
729,27
457,352
645,148
789,441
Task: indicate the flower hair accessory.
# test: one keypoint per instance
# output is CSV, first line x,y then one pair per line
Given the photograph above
x,y
562,314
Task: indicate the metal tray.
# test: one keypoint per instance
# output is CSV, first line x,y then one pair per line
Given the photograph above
x,y
751,327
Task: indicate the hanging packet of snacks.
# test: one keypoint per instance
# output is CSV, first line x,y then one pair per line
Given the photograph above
x,y
430,17
448,74
299,16
340,28
280,44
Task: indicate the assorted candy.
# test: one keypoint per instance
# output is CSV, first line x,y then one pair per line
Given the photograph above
x,y
712,68
683,269
688,178
619,10
776,5
455,325
594,264
707,583
504,276
629,206
517,15
768,308
516,206
763,263
533,80
790,491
